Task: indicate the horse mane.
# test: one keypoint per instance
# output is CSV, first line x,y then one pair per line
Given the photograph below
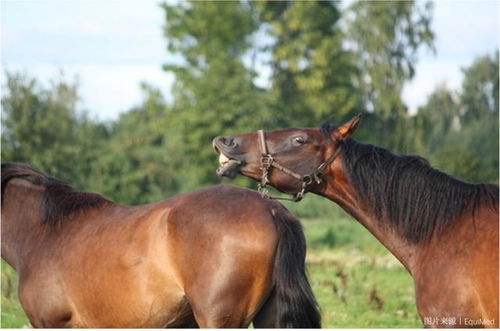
x,y
59,200
406,193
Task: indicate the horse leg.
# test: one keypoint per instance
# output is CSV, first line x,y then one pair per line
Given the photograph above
x,y
267,315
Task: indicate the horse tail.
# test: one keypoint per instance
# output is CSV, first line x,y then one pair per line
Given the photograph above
x,y
296,304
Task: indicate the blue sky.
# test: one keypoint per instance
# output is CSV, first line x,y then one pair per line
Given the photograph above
x,y
113,45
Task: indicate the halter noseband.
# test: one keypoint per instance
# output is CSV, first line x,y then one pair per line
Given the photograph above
x,y
267,162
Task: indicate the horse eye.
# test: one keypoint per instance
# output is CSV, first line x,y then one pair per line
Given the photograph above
x,y
299,140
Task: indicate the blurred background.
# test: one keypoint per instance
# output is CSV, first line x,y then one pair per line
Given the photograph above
x,y
123,98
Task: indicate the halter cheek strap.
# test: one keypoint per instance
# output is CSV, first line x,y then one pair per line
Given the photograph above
x,y
267,162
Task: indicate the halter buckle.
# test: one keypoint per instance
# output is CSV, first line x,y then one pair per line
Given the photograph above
x,y
266,161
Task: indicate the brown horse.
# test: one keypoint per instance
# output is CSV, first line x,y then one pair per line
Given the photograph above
x,y
443,230
217,257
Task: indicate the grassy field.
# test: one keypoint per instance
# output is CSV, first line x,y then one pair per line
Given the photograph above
x,y
11,313
357,282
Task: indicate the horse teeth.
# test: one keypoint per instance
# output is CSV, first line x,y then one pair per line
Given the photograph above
x,y
223,159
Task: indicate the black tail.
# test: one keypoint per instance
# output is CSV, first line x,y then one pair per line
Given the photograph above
x,y
296,304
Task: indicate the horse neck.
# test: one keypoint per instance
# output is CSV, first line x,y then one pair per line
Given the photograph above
x,y
22,228
339,190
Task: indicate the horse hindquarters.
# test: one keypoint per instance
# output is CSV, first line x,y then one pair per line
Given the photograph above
x,y
230,296
226,275
231,259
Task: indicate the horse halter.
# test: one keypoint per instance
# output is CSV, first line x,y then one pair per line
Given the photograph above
x,y
267,162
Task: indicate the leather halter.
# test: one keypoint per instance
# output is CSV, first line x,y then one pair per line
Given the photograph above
x,y
267,162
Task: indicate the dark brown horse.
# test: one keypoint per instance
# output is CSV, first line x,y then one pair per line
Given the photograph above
x,y
217,257
443,230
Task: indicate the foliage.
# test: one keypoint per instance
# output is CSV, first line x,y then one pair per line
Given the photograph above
x,y
461,127
214,92
479,96
439,116
385,37
471,153
139,162
43,127
312,74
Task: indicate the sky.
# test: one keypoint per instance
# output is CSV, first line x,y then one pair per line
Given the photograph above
x,y
111,46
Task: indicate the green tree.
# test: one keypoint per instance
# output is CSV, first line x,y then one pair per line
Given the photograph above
x,y
214,91
385,37
461,128
140,161
43,127
439,116
479,96
312,73
471,153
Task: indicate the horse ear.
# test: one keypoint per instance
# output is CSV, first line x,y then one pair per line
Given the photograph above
x,y
346,130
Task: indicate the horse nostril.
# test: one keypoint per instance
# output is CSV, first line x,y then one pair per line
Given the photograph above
x,y
228,141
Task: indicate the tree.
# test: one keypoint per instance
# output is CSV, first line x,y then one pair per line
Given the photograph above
x,y
470,154
461,127
312,73
43,127
385,37
140,161
439,116
214,91
479,97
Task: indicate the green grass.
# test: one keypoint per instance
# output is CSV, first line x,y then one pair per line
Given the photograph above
x,y
357,282
12,315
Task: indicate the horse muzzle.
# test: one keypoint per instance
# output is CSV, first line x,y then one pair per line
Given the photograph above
x,y
229,162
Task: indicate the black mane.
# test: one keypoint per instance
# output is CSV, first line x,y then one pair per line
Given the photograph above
x,y
406,193
59,200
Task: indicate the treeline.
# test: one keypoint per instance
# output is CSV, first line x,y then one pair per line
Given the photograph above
x,y
325,62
